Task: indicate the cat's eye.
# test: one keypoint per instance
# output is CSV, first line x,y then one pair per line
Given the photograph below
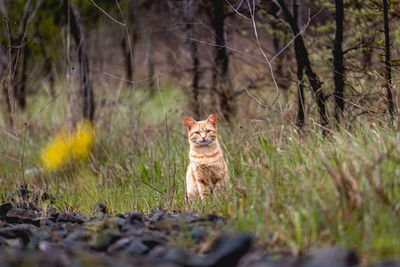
x,y
208,131
197,132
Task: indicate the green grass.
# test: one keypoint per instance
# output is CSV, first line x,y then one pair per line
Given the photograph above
x,y
294,192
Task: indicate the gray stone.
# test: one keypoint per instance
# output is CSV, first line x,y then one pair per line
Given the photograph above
x,y
329,257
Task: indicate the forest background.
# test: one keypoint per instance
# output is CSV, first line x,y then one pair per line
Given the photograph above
x,y
94,95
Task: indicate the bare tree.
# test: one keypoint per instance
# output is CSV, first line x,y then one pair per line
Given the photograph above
x,y
86,85
300,70
17,58
339,71
220,75
301,50
190,10
389,94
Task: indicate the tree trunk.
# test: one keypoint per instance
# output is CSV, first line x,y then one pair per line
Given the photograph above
x,y
389,94
221,61
4,87
300,70
125,51
150,59
303,54
19,79
20,85
192,45
86,85
339,72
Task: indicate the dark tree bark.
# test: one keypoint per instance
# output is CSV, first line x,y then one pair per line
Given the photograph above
x,y
86,84
303,54
221,61
193,50
300,70
279,69
125,51
389,94
21,81
339,71
20,66
4,86
150,59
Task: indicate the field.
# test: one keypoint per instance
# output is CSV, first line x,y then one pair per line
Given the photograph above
x,y
293,190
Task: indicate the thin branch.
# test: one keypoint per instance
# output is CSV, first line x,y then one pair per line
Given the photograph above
x,y
237,9
108,15
300,33
255,99
167,135
266,58
132,104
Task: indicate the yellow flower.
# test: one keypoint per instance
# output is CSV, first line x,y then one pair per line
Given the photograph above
x,y
68,147
82,140
56,152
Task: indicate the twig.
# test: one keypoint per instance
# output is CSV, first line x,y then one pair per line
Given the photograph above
x,y
167,136
23,154
237,9
132,104
300,32
255,99
108,15
252,10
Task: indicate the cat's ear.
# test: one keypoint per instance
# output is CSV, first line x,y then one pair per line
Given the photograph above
x,y
213,119
189,122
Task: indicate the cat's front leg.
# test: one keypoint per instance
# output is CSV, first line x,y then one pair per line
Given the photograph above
x,y
191,184
204,183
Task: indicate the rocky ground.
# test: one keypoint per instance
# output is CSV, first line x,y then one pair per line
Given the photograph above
x,y
33,234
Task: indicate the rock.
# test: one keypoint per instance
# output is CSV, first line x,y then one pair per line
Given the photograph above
x,y
134,224
15,243
215,218
104,239
136,247
386,263
130,246
4,208
136,220
22,231
189,217
45,246
182,257
68,218
121,216
75,246
114,223
199,235
2,241
328,257
80,235
227,250
268,262
120,245
154,238
20,216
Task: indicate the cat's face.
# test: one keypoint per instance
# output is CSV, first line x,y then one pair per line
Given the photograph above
x,y
202,133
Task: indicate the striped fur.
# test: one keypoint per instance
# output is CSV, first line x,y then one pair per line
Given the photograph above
x,y
207,171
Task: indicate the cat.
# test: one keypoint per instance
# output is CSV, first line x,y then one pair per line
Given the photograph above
x,y
207,171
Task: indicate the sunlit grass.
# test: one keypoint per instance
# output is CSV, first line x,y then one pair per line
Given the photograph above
x,y
294,192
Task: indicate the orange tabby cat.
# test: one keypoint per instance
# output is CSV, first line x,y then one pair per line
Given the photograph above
x,y
207,170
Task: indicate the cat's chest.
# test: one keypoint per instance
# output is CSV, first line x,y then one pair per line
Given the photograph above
x,y
210,171
206,159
